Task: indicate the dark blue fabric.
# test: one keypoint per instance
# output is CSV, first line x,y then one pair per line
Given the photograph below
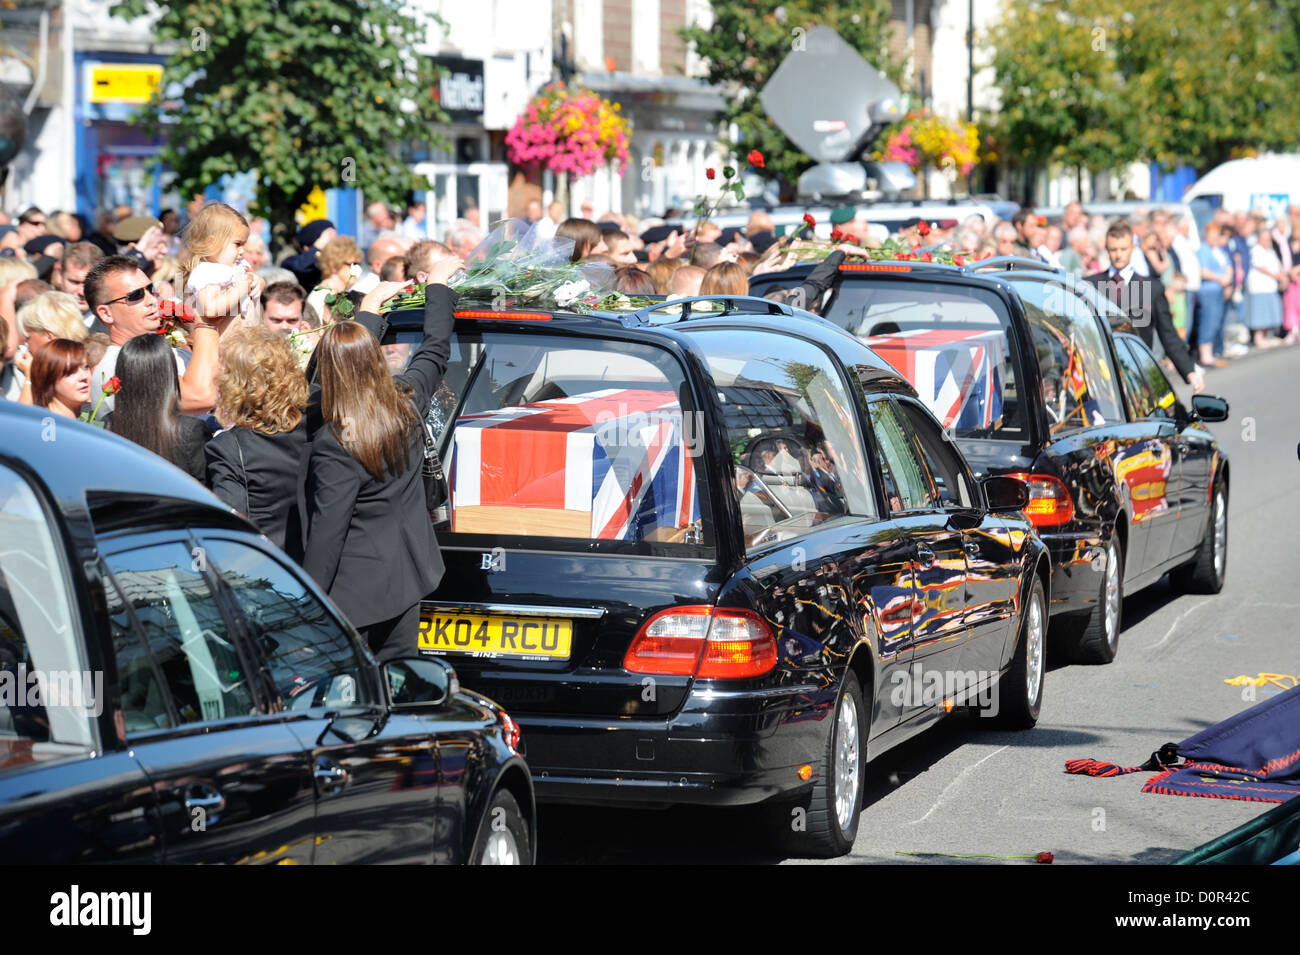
x,y
1254,755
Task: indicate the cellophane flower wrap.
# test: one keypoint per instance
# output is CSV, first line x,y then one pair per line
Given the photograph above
x,y
515,267
568,131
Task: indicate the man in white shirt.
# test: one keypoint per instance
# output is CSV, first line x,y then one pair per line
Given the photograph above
x,y
70,273
122,297
548,223
386,246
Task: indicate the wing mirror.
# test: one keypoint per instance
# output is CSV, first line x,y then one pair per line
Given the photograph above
x,y
1004,494
417,683
1210,407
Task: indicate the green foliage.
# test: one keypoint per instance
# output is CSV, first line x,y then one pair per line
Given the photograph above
x,y
1100,83
749,39
307,92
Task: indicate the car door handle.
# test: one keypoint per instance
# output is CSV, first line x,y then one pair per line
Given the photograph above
x,y
203,800
331,776
925,556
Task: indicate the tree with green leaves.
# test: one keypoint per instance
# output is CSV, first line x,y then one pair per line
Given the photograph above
x,y
306,92
1101,83
747,42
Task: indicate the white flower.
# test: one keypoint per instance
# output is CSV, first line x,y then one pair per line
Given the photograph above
x,y
570,292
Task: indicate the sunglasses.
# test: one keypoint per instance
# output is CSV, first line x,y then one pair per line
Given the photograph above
x,y
135,296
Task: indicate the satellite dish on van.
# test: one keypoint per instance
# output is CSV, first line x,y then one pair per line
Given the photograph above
x,y
828,100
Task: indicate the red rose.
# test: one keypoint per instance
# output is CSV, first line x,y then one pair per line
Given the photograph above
x,y
836,235
1044,857
809,221
710,173
113,385
926,257
756,159
958,260
923,228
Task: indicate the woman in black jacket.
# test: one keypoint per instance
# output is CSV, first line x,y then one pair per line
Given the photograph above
x,y
370,542
148,408
253,465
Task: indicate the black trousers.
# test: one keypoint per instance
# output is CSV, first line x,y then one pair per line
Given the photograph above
x,y
395,638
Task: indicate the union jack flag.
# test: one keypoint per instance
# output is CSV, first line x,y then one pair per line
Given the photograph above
x,y
957,374
618,454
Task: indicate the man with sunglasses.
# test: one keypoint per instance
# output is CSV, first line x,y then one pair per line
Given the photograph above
x,y
122,298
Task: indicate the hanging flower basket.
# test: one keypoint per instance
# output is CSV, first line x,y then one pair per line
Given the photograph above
x,y
568,131
922,139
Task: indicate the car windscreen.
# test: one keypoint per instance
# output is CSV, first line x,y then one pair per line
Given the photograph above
x,y
952,342
583,442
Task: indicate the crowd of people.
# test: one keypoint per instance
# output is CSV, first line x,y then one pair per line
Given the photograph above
x,y
180,334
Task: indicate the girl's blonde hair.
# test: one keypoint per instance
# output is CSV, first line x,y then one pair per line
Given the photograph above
x,y
208,232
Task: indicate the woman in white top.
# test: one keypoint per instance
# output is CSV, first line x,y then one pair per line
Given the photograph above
x,y
1264,285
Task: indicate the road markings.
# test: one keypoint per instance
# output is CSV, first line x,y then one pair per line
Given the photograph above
x,y
960,776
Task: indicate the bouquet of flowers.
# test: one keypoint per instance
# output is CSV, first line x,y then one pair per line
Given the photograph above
x,y
893,249
568,131
514,267
923,139
174,316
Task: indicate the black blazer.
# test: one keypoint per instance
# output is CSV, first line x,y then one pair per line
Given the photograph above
x,y
370,543
1148,310
257,475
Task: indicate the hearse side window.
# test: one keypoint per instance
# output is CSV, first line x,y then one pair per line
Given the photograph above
x,y
37,633
144,703
791,424
186,632
950,478
1160,400
1079,387
312,659
906,484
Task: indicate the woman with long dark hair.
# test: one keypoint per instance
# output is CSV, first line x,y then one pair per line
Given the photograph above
x,y
148,408
370,542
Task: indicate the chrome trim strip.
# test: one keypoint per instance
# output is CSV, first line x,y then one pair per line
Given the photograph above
x,y
519,610
711,694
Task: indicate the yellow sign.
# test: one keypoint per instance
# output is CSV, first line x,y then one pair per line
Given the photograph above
x,y
314,207
124,82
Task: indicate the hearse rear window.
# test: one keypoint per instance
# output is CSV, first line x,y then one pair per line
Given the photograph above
x,y
564,438
951,342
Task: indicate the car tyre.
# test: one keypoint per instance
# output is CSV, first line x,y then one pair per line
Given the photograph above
x,y
1020,691
502,834
824,823
1094,638
1205,573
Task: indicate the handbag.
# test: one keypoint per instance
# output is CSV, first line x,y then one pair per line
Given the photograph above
x,y
435,482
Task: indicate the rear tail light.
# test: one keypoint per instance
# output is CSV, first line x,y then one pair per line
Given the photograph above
x,y
707,642
1050,504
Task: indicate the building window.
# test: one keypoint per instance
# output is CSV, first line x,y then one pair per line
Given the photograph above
x,y
645,36
588,29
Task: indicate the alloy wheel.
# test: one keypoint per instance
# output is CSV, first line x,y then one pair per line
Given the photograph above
x,y
1112,594
1034,651
847,770
501,849
1220,534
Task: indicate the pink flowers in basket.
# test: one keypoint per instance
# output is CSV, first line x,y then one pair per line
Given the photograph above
x,y
569,131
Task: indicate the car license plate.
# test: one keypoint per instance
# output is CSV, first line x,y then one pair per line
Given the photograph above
x,y
548,638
